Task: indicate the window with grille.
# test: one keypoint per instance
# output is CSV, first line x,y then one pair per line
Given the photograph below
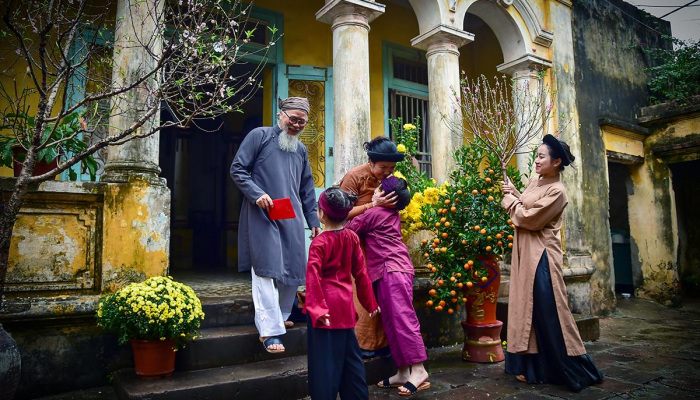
x,y
408,106
411,71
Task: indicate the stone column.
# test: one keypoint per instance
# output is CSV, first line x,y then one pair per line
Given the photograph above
x,y
137,23
136,216
350,26
524,71
441,44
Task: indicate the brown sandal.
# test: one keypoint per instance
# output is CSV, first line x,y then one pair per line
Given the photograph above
x,y
385,384
412,389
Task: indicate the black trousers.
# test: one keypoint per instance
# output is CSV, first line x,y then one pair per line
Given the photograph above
x,y
335,365
551,364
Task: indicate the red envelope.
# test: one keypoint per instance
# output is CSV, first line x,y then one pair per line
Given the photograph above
x,y
282,210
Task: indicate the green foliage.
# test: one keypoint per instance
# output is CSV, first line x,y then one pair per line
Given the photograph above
x,y
406,139
468,222
158,308
676,77
18,128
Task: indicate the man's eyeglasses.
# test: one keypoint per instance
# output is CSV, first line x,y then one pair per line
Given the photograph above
x,y
295,120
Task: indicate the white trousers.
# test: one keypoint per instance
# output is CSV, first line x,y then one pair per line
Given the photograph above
x,y
273,302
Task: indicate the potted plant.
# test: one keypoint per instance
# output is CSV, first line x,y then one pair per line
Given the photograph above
x,y
60,140
156,316
471,234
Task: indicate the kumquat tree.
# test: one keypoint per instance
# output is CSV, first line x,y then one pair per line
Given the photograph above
x,y
469,225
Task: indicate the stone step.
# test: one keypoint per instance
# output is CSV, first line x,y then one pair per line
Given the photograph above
x,y
588,325
227,311
504,288
233,345
279,379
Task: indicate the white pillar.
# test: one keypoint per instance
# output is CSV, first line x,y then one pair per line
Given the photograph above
x,y
442,44
524,71
137,23
350,25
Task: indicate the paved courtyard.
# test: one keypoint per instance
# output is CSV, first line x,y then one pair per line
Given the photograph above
x,y
646,351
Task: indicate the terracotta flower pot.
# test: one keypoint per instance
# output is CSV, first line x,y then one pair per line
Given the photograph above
x,y
40,168
482,298
482,332
154,359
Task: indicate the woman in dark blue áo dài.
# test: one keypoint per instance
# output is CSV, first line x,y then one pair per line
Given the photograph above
x,y
544,345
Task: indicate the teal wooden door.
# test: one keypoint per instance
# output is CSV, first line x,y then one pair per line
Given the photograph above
x,y
316,84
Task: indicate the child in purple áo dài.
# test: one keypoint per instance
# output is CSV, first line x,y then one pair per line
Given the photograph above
x,y
335,257
391,272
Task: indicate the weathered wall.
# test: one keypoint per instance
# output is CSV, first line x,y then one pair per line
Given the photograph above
x,y
610,82
686,185
65,356
654,218
73,242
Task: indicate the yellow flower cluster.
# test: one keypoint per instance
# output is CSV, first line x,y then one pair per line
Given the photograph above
x,y
161,299
399,174
401,148
411,216
409,127
158,305
432,195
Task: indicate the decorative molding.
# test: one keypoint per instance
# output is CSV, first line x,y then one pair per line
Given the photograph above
x,y
622,158
442,35
622,128
504,3
539,35
528,62
362,9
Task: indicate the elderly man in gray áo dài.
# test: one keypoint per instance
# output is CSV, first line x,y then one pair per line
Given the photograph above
x,y
273,164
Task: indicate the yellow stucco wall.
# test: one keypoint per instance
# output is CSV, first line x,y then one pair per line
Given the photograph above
x,y
15,68
309,42
654,229
652,208
623,142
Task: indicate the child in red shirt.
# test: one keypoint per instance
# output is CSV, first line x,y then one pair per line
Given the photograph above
x,y
335,361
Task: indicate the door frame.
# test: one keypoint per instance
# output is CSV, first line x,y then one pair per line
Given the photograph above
x,y
287,72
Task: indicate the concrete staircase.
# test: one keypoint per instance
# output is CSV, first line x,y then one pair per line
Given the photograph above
x,y
229,361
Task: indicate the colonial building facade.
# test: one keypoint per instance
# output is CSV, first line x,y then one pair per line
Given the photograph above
x,y
166,204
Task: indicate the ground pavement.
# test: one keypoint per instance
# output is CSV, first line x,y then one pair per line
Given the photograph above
x,y
646,351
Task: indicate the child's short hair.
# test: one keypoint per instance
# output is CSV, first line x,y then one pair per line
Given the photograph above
x,y
403,195
338,200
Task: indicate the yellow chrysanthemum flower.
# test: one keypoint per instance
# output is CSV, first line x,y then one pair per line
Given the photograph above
x,y
401,148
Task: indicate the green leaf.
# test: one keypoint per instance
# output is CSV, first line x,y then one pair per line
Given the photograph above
x,y
91,166
72,175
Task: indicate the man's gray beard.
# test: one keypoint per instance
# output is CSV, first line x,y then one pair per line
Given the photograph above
x,y
287,142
